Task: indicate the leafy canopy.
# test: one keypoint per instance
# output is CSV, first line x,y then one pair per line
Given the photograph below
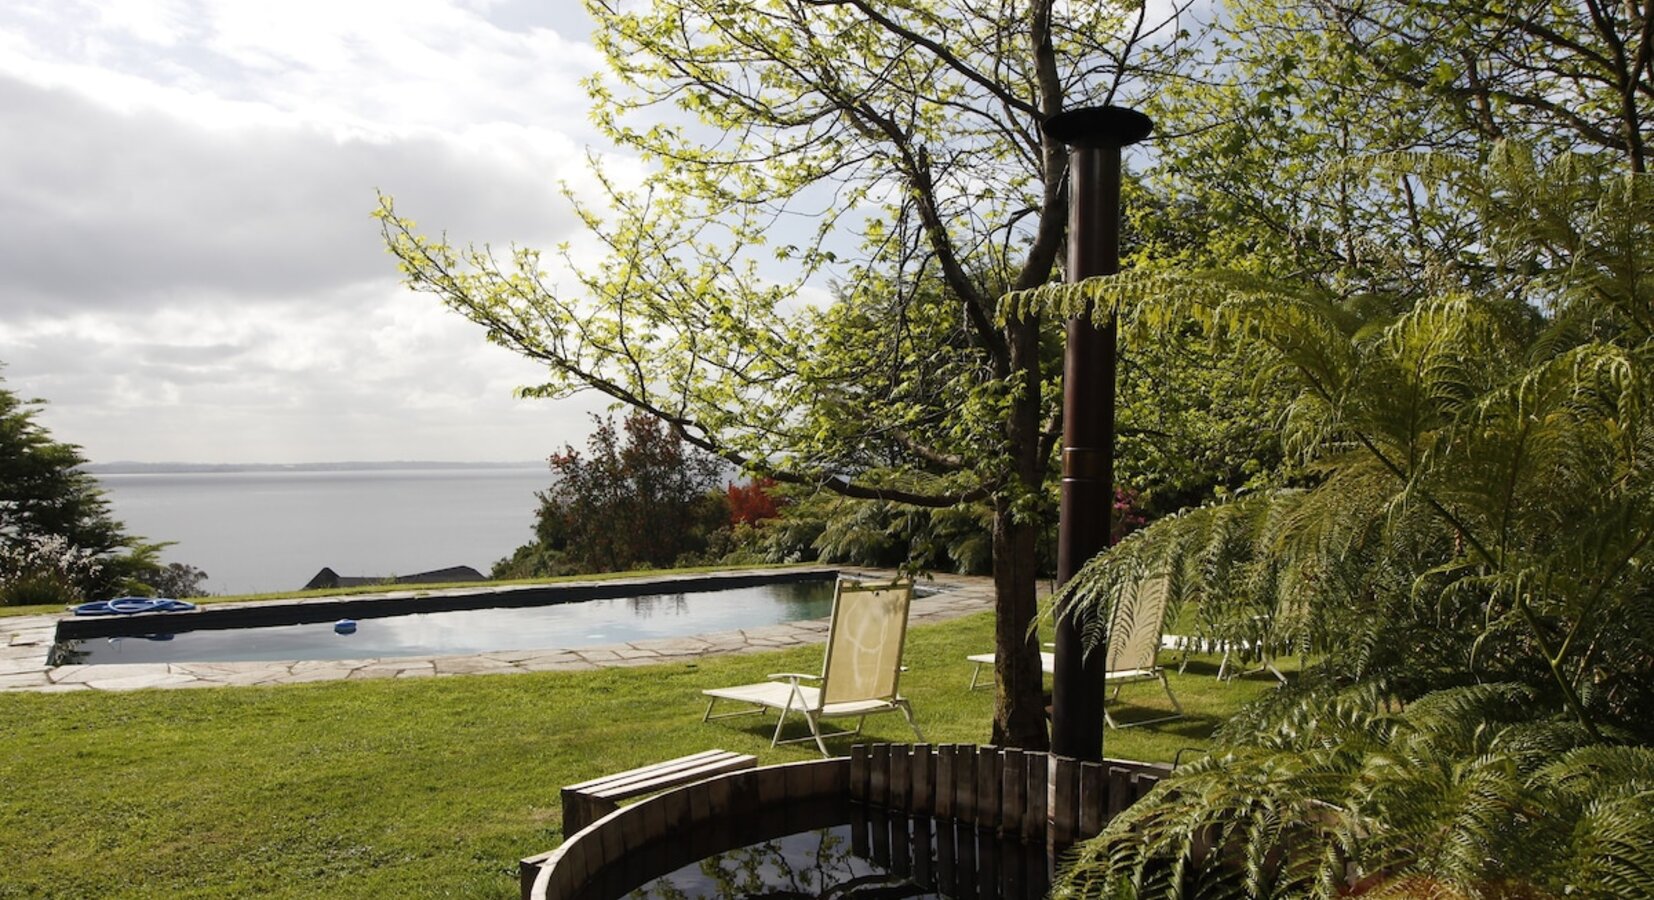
x,y
892,149
1480,516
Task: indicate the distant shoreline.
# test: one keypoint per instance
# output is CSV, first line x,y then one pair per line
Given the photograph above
x,y
173,468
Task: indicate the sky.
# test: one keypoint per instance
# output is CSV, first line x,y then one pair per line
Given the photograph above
x,y
189,271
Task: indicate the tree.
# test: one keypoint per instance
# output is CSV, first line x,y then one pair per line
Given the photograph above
x,y
645,500
1433,219
1195,423
752,502
1558,77
177,580
904,137
1474,551
1254,172
58,542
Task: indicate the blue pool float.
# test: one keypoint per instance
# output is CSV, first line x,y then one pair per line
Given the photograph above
x,y
126,606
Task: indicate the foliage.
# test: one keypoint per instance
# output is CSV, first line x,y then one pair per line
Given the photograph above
x,y
1464,793
752,502
1466,333
1257,178
178,580
645,499
1195,422
822,526
58,542
38,569
825,527
1480,515
906,137
535,559
1477,461
1559,77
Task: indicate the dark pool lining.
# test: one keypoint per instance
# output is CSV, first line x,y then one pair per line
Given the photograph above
x,y
228,615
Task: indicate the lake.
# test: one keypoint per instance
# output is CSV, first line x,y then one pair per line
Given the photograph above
x,y
255,531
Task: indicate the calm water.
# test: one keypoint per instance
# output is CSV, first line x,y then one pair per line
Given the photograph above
x,y
273,531
588,623
807,864
899,856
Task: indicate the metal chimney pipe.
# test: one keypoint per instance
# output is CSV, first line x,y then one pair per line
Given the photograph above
x,y
1095,136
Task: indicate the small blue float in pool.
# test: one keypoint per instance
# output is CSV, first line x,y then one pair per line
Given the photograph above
x,y
344,626
126,606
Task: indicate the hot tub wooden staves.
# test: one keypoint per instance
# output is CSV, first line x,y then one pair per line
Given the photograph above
x,y
895,797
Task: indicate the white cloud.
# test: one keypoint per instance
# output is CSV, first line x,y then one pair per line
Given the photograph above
x,y
368,63
373,373
188,268
117,209
159,22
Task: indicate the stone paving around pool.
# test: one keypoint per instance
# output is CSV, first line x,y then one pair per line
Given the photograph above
x,y
25,642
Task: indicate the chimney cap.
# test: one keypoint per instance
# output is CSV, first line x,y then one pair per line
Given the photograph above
x,y
1099,126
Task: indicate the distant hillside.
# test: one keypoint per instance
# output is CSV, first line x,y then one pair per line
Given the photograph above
x,y
158,468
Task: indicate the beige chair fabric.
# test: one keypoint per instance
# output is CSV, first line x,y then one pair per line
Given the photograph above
x,y
1133,646
1134,634
1134,643
860,674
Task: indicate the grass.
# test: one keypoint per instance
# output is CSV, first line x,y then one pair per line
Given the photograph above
x,y
423,787
54,608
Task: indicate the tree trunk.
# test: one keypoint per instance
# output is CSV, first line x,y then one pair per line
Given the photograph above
x,y
1019,706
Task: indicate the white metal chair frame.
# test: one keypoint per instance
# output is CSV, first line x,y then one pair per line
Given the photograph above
x,y
786,692
1236,653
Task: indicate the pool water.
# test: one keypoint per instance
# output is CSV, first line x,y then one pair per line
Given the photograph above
x,y
569,625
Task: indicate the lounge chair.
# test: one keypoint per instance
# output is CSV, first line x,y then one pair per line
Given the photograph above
x,y
1241,642
1047,663
859,674
1133,647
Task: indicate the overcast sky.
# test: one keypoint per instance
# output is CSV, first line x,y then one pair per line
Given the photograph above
x,y
188,267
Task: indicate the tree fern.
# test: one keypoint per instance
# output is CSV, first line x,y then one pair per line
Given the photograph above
x,y
1463,793
1469,557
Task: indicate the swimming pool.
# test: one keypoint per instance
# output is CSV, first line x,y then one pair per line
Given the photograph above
x,y
555,617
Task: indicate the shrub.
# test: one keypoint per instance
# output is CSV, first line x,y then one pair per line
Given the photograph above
x,y
40,569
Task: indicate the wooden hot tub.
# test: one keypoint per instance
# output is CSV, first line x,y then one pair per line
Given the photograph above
x,y
961,820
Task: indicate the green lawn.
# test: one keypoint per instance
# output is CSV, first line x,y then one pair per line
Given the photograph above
x,y
419,788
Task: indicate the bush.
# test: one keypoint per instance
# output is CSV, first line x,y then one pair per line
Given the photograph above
x,y
39,589
42,569
177,580
639,497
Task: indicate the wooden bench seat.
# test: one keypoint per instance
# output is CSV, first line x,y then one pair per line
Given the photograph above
x,y
588,801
